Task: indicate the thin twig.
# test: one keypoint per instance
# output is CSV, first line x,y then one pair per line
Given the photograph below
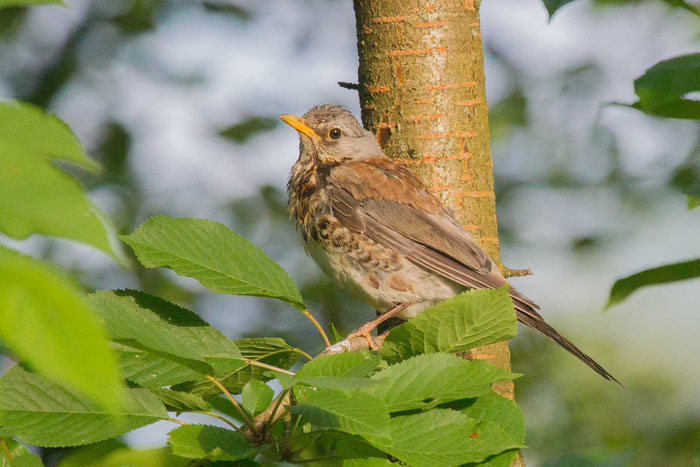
x,y
301,352
5,448
346,85
246,418
220,417
175,420
269,367
311,318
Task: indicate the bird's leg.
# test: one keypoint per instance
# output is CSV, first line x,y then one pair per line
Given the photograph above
x,y
365,329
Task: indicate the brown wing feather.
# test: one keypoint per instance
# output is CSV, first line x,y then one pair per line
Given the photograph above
x,y
391,206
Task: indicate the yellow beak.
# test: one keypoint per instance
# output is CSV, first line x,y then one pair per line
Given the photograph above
x,y
300,125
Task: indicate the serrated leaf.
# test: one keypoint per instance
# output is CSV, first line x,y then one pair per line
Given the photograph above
x,y
35,195
256,396
150,368
347,385
425,381
501,411
210,252
367,462
208,442
47,414
270,350
179,401
46,323
126,321
21,456
347,365
663,87
669,273
499,426
440,437
13,3
114,453
358,414
468,320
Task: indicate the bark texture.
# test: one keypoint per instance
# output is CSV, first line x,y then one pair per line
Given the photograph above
x,y
422,91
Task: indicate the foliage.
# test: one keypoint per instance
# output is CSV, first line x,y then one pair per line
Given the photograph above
x,y
554,5
626,286
662,89
63,340
38,197
172,360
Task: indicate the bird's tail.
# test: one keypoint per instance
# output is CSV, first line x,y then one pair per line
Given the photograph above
x,y
527,314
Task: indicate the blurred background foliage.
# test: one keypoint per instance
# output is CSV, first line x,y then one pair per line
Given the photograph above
x,y
178,100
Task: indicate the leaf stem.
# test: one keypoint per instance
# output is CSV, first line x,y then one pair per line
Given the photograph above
x,y
311,318
175,420
246,419
269,367
301,352
8,453
220,417
278,403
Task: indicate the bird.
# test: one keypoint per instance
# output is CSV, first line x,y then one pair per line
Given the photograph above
x,y
374,228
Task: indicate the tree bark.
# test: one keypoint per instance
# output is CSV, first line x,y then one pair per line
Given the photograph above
x,y
422,91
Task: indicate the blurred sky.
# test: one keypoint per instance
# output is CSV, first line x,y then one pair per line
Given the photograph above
x,y
174,87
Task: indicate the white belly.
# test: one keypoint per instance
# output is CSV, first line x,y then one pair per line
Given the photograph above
x,y
384,289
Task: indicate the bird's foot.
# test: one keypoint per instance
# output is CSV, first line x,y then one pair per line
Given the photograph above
x,y
369,326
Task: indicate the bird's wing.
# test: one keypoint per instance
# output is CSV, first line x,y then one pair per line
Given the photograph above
x,y
391,206
388,204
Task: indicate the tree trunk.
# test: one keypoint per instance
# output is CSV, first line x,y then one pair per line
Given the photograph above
x,y
422,91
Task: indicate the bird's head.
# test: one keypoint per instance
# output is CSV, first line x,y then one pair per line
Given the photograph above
x,y
329,134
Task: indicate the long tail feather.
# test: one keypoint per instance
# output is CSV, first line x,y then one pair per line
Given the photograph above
x,y
527,314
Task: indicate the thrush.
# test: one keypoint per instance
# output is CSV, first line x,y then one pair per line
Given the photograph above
x,y
377,231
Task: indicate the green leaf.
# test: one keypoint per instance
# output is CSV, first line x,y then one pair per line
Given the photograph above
x,y
693,202
210,252
12,3
662,88
504,459
358,414
498,417
441,437
367,462
256,396
126,321
468,320
46,414
208,442
249,127
45,321
347,364
35,195
626,286
150,367
425,381
114,453
179,401
270,350
21,456
553,5
152,370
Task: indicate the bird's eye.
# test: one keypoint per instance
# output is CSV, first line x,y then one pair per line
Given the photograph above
x,y
335,133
